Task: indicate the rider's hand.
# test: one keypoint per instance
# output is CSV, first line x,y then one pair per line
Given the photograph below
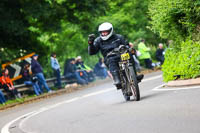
x,y
10,88
132,51
91,38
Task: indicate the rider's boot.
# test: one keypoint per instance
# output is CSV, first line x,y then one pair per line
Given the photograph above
x,y
116,78
140,77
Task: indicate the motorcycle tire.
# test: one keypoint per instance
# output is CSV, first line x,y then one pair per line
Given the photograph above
x,y
134,84
127,98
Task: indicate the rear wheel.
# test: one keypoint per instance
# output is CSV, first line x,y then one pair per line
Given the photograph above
x,y
133,83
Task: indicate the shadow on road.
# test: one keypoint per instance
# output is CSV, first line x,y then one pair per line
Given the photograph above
x,y
148,96
152,95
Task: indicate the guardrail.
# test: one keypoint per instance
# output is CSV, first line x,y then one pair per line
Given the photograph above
x,y
22,88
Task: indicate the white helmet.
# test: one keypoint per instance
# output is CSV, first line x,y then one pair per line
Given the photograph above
x,y
106,27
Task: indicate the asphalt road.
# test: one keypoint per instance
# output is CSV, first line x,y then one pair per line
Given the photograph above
x,y
102,109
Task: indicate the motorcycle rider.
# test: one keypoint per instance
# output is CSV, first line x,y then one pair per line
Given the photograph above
x,y
106,42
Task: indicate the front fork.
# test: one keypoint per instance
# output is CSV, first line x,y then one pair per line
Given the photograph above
x,y
125,78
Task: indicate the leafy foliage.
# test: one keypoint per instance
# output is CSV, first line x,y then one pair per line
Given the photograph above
x,y
178,20
185,62
174,19
36,26
62,26
130,18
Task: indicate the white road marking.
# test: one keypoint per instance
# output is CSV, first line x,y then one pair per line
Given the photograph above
x,y
25,117
6,127
158,88
99,92
152,78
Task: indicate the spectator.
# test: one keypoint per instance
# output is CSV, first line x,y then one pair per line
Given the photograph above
x,y
72,72
56,68
7,84
160,53
100,69
28,81
2,98
38,71
135,57
145,55
87,71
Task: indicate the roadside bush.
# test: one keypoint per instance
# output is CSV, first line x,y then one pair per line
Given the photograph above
x,y
174,19
184,61
178,20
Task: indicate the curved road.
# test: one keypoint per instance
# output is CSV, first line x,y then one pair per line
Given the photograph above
x,y
102,109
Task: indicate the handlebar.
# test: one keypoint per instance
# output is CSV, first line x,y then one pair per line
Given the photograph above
x,y
120,50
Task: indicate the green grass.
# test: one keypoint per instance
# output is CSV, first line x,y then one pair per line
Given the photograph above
x,y
18,100
21,100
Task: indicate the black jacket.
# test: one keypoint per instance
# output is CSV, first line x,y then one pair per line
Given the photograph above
x,y
159,53
25,75
71,68
106,46
36,67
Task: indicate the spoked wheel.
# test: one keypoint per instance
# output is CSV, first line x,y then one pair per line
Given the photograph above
x,y
124,90
127,98
133,83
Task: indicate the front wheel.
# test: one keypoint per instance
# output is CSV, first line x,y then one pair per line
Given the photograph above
x,y
134,84
127,98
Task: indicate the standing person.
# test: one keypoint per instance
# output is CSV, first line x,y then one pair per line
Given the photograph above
x,y
7,84
106,42
56,68
145,55
160,53
38,71
2,98
28,81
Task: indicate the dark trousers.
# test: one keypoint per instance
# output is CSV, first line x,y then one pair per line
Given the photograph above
x,y
91,76
2,98
88,76
112,63
57,74
84,75
76,76
161,59
13,92
42,82
102,73
148,63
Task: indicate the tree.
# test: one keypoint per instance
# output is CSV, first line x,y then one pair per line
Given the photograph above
x,y
178,20
174,19
31,26
130,18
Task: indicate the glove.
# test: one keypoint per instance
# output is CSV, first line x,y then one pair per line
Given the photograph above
x,y
91,38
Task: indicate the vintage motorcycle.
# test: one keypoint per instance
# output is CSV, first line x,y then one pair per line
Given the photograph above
x,y
127,74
